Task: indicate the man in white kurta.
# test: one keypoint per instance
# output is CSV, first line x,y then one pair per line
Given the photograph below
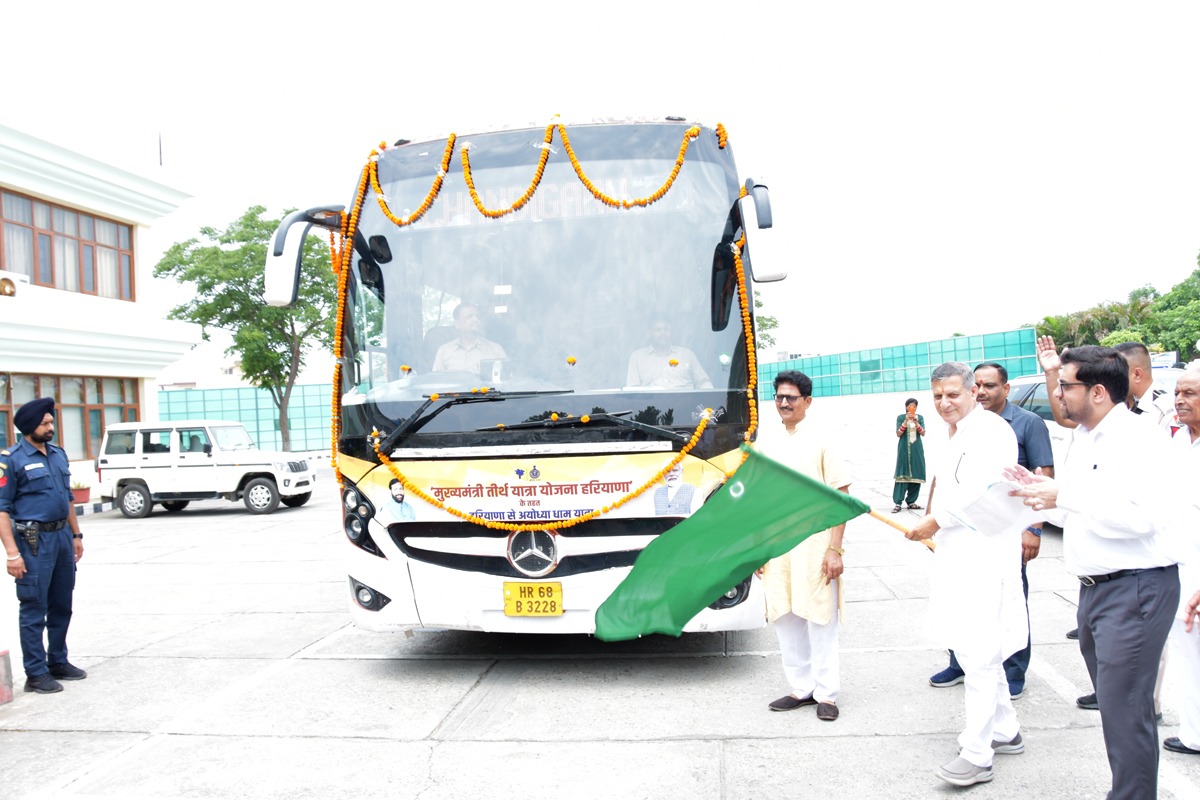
x,y
1185,535
976,604
803,587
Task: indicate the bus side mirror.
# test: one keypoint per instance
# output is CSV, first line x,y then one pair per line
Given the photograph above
x,y
762,212
762,202
281,274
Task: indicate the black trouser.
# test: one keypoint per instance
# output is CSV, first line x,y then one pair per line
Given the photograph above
x,y
1123,625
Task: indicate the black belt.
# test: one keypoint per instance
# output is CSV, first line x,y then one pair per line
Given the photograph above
x,y
38,527
1092,580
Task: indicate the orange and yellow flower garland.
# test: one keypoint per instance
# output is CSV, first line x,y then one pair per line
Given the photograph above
x,y
341,263
373,169
688,136
434,190
342,267
523,199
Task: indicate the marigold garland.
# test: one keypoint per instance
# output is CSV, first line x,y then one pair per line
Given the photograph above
x,y
349,226
748,333
523,199
508,526
434,190
688,136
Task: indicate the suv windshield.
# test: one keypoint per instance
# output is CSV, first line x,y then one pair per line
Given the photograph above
x,y
567,306
232,437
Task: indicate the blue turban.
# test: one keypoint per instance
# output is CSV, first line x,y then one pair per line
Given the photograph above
x,y
30,416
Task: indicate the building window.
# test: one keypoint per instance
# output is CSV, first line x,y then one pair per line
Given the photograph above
x,y
83,407
66,249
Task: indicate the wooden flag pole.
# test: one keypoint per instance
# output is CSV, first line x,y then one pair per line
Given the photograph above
x,y
887,521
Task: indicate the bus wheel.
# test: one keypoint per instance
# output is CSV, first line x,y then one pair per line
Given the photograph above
x,y
261,496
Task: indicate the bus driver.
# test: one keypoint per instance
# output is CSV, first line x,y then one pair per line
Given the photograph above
x,y
470,348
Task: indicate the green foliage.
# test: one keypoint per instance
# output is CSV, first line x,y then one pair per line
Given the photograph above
x,y
1161,322
1124,335
224,268
763,325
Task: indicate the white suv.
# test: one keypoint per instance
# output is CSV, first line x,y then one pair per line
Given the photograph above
x,y
173,463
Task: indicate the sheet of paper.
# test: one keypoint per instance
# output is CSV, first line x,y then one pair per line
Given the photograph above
x,y
996,512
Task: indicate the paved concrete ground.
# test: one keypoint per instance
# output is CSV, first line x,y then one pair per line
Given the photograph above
x,y
222,665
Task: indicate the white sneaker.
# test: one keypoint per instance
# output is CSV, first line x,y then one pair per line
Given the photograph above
x,y
1016,745
961,772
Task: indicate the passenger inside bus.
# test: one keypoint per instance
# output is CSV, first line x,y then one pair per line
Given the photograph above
x,y
465,352
663,365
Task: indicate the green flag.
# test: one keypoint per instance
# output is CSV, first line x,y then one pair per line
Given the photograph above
x,y
763,511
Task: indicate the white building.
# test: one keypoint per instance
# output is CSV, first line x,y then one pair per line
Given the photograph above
x,y
74,323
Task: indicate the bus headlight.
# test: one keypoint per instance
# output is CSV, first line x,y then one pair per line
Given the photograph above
x,y
733,597
367,597
358,511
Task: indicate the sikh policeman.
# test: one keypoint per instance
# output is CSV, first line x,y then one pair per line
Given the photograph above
x,y
42,544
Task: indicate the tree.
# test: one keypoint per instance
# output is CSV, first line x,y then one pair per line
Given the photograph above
x,y
1129,321
1175,322
225,271
763,324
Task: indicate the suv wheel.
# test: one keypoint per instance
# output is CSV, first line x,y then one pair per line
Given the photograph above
x,y
175,505
134,501
261,496
297,500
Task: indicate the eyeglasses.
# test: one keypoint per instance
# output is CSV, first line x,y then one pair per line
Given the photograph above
x,y
787,399
1064,385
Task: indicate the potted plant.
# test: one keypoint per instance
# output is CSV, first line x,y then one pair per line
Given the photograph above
x,y
80,492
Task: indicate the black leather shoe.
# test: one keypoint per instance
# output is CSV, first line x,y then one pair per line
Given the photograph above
x,y
42,684
1073,633
789,703
1089,702
1175,746
67,672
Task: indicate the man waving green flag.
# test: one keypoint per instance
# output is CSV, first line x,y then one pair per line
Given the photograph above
x,y
763,511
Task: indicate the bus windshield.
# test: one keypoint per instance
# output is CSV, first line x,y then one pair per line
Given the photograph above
x,y
567,306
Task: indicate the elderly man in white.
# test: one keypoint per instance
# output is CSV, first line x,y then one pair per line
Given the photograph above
x,y
1186,539
977,607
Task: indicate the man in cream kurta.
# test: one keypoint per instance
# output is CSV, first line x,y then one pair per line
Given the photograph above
x,y
976,603
802,586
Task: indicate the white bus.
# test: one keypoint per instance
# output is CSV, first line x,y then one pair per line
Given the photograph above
x,y
544,360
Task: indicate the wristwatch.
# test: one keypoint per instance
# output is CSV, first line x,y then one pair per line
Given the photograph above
x,y
76,535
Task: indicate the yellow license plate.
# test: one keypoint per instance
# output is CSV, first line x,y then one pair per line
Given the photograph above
x,y
533,599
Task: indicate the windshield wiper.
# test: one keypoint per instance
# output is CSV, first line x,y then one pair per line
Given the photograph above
x,y
416,421
616,418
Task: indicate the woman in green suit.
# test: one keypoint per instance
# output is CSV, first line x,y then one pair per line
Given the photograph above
x,y
910,456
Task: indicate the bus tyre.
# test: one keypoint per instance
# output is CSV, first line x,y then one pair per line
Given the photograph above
x,y
261,496
175,505
297,500
134,501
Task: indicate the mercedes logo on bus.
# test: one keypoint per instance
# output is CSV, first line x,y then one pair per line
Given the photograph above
x,y
533,553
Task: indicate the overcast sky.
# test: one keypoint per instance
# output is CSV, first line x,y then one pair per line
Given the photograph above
x,y
935,167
